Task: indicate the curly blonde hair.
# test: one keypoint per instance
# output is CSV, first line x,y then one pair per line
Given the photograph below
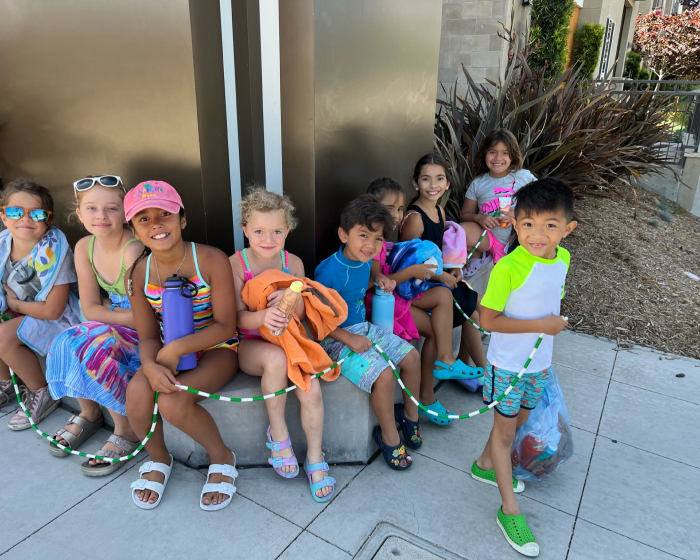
x,y
258,199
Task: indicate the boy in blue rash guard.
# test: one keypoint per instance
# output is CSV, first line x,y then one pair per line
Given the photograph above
x,y
364,225
523,298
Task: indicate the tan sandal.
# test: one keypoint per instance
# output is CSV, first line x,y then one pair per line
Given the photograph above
x,y
75,441
103,469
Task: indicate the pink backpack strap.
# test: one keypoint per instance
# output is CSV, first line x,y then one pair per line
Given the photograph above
x,y
247,273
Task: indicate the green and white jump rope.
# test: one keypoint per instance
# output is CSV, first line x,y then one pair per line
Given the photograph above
x,y
87,455
292,388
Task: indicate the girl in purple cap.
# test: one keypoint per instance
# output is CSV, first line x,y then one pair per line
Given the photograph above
x,y
156,214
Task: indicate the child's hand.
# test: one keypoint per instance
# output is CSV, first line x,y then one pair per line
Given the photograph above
x,y
274,299
553,324
274,319
384,283
487,222
447,279
457,273
9,294
359,343
423,271
160,378
168,357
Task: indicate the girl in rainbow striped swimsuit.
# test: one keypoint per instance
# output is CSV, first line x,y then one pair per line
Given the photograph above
x,y
156,214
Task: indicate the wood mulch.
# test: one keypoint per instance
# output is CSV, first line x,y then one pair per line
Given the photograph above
x,y
627,279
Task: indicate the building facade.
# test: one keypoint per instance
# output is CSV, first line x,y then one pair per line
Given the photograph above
x,y
470,35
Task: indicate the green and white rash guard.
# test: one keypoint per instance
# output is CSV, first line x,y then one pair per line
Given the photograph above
x,y
523,286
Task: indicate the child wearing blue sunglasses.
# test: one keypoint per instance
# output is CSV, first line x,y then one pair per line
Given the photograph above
x,y
38,297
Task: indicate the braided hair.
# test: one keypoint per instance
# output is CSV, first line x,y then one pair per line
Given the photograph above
x,y
146,251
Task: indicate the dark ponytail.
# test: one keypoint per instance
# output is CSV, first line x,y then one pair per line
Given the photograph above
x,y
146,251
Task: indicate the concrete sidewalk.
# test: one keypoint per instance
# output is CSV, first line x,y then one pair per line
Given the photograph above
x,y
628,492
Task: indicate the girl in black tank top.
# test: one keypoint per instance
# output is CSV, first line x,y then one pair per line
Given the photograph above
x,y
430,181
431,231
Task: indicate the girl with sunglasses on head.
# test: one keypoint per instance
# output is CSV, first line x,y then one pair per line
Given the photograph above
x,y
38,295
95,360
156,214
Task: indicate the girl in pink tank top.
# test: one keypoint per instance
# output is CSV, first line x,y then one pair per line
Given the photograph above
x,y
266,219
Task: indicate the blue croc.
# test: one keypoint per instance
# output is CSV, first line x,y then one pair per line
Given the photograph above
x,y
437,407
458,370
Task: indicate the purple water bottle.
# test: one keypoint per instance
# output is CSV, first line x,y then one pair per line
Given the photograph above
x,y
178,315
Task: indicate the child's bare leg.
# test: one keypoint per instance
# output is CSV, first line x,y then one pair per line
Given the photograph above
x,y
473,232
411,377
470,343
213,371
180,408
428,355
382,399
263,359
439,299
139,410
312,422
15,355
484,462
501,440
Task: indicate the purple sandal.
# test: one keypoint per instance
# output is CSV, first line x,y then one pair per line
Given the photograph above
x,y
279,462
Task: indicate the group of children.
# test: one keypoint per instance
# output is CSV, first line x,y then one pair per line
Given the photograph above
x,y
109,350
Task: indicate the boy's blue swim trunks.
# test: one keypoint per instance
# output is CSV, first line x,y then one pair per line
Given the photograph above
x,y
525,394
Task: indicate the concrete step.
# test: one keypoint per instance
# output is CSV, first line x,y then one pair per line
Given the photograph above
x,y
347,430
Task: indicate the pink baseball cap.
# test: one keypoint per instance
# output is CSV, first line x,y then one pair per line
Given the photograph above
x,y
152,194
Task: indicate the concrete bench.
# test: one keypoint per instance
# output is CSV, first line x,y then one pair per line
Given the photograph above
x,y
348,423
347,430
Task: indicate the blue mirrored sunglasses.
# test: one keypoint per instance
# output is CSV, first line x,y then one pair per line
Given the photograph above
x,y
36,214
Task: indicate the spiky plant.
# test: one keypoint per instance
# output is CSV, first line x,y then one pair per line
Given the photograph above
x,y
575,130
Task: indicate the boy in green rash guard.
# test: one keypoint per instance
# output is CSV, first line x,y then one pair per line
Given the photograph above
x,y
522,300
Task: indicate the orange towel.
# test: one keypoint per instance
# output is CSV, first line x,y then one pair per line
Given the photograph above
x,y
325,311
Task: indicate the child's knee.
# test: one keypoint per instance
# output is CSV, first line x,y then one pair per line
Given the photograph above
x,y
174,407
312,397
504,431
275,361
139,397
411,362
385,381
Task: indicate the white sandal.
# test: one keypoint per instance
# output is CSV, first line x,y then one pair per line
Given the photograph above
x,y
143,484
221,487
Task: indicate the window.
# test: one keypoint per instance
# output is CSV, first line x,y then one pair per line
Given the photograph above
x,y
676,7
657,4
607,48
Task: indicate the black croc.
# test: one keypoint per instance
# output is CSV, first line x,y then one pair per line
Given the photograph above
x,y
409,429
395,457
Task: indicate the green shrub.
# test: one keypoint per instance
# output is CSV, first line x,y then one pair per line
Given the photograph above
x,y
550,32
588,40
643,74
633,66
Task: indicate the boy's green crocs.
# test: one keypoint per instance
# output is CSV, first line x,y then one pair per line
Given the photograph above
x,y
489,477
517,533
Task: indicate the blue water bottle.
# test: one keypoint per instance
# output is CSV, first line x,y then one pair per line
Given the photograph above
x,y
178,315
383,310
